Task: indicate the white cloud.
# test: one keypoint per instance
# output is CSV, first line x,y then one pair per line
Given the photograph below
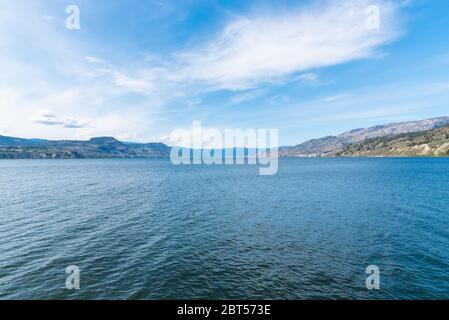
x,y
141,85
263,48
91,59
336,97
278,100
247,96
48,118
308,77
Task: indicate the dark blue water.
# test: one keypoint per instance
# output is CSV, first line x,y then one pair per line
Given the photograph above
x,y
145,229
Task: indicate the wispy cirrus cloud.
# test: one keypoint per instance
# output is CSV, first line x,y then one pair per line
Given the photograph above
x,y
268,46
247,96
274,46
336,97
91,59
277,100
134,84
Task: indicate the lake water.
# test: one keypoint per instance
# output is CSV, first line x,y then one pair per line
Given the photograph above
x,y
145,229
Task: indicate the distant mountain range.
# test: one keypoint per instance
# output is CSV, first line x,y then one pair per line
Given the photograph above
x,y
332,145
102,147
414,138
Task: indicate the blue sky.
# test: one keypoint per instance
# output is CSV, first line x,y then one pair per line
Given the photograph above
x,y
139,69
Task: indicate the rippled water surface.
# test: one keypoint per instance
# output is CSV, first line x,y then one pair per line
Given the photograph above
x,y
145,229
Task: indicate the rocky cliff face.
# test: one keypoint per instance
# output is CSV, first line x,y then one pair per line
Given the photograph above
x,y
332,144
